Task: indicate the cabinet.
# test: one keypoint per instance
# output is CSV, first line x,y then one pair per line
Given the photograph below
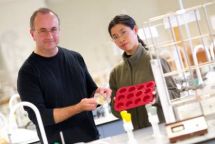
x,y
111,128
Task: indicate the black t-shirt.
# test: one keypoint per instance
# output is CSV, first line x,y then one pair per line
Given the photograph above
x,y
58,81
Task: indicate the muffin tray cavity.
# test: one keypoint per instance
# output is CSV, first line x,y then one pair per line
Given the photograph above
x,y
133,96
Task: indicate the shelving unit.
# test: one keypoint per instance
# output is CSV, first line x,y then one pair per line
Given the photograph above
x,y
186,39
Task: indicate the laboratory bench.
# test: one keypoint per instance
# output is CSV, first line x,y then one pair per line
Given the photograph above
x,y
146,135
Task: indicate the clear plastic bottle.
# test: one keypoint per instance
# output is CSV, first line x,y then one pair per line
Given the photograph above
x,y
128,127
153,119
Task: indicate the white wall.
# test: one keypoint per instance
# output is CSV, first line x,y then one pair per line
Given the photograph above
x,y
173,5
15,40
83,27
84,24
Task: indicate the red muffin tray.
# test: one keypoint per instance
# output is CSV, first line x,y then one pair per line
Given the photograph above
x,y
134,96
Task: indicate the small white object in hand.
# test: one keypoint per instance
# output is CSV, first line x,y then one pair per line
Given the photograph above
x,y
101,99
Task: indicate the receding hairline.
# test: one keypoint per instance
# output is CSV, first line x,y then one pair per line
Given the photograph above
x,y
42,11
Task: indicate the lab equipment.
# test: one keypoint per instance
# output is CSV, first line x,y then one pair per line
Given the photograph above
x,y
127,124
3,129
153,119
186,128
39,119
186,35
20,116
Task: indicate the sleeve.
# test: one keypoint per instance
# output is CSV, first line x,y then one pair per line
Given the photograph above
x,y
91,85
113,87
29,90
172,87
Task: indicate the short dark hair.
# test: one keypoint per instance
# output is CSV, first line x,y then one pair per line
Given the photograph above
x,y
124,20
121,19
43,11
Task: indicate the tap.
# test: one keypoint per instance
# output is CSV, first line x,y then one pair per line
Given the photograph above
x,y
38,117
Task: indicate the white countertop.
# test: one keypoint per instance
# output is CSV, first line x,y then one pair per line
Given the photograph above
x,y
141,136
23,136
146,135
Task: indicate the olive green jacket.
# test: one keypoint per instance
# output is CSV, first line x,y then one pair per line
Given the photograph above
x,y
134,70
